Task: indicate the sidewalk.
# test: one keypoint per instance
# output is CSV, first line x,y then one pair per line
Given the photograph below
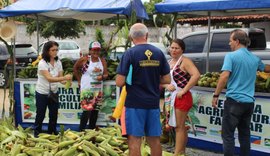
x,y
193,151
197,152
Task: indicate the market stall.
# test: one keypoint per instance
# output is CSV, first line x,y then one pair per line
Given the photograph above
x,y
69,109
207,122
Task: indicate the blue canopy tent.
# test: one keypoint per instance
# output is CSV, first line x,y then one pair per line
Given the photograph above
x,y
86,10
74,9
213,8
216,7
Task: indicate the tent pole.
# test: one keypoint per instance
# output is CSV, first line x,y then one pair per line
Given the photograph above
x,y
13,42
175,28
208,41
37,34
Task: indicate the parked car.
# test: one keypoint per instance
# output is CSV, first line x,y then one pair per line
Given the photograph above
x,y
162,47
67,49
196,47
118,52
24,54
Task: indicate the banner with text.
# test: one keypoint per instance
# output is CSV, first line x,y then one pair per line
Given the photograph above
x,y
69,108
207,120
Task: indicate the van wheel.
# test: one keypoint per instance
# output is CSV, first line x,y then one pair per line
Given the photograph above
x,y
3,79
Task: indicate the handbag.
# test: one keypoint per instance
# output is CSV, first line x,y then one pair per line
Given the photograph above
x,y
53,97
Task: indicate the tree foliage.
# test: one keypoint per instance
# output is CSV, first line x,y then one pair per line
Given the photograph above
x,y
150,6
58,29
4,3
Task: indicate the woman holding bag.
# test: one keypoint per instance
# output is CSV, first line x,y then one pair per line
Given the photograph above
x,y
90,72
184,76
50,72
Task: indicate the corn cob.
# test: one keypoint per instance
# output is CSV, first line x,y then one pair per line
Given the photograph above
x,y
109,150
15,150
61,152
90,151
66,143
70,151
7,140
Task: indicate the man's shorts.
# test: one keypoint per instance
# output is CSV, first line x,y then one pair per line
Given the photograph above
x,y
143,122
184,103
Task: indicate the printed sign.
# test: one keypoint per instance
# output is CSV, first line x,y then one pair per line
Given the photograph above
x,y
207,120
69,108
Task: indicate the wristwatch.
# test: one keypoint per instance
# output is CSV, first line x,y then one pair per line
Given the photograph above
x,y
215,95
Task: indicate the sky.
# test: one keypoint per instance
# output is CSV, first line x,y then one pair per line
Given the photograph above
x,y
144,1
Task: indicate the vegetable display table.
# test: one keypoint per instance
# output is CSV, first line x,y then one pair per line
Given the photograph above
x,y
69,108
207,122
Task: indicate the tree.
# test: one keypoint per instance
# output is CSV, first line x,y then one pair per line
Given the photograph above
x,y
59,29
4,3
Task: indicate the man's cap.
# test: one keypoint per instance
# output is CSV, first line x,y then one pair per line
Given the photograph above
x,y
94,45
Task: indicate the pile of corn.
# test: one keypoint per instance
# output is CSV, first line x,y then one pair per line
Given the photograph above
x,y
100,142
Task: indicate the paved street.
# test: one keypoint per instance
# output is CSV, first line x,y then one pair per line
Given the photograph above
x,y
192,151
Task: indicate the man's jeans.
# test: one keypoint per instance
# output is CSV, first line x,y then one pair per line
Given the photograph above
x,y
236,115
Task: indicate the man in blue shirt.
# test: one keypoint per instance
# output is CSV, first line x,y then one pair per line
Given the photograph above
x,y
150,69
239,73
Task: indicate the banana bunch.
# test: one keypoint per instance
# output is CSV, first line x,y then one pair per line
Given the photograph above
x,y
262,82
35,63
28,72
112,66
263,75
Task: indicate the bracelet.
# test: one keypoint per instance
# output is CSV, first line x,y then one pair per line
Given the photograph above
x,y
215,96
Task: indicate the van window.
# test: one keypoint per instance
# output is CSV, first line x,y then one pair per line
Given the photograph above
x,y
25,51
195,44
3,50
220,42
67,46
257,40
